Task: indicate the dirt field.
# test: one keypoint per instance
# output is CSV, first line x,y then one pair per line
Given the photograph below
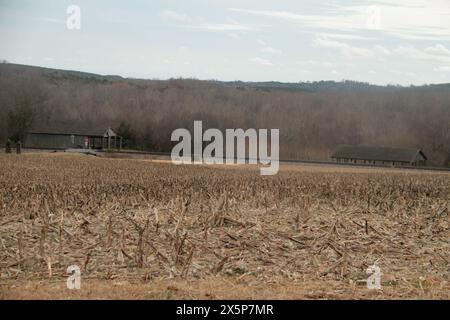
x,y
151,230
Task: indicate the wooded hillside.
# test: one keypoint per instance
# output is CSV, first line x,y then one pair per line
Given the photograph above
x,y
313,118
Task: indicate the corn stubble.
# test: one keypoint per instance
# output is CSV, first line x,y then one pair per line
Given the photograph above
x,y
144,221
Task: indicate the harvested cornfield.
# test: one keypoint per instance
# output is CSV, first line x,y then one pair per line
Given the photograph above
x,y
142,229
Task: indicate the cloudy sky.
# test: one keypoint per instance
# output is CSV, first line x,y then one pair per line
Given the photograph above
x,y
384,41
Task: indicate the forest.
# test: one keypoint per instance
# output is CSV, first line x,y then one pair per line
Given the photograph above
x,y
313,117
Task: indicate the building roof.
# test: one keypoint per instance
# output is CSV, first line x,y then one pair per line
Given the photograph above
x,y
362,152
77,131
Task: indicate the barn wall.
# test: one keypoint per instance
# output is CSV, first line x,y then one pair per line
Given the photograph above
x,y
53,141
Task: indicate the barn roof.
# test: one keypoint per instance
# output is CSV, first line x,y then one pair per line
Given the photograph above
x,y
362,152
78,131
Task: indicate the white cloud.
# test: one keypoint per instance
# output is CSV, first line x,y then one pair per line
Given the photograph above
x,y
382,50
199,23
271,51
437,53
442,69
346,49
315,63
438,49
233,35
351,51
183,49
344,36
261,42
269,13
222,27
412,19
261,61
175,16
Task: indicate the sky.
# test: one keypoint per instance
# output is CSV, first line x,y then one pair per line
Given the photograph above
x,y
379,41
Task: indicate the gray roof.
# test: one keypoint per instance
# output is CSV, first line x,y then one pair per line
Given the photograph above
x,y
362,152
78,131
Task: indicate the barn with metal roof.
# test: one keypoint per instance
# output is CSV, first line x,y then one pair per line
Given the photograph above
x,y
379,155
67,138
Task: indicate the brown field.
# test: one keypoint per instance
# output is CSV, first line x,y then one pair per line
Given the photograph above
x,y
151,230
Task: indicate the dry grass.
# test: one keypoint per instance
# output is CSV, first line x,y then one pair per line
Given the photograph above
x,y
214,288
139,228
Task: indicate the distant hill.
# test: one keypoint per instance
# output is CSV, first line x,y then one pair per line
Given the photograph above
x,y
59,74
315,86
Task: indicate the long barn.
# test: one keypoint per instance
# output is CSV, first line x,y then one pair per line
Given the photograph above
x,y
73,138
379,155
